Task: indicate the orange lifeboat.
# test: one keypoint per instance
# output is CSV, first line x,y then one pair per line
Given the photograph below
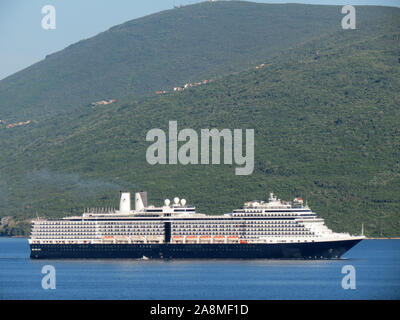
x,y
219,238
191,238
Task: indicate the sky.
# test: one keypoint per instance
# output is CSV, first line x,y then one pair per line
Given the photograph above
x,y
23,41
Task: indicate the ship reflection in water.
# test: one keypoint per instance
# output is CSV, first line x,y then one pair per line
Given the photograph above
x,y
377,265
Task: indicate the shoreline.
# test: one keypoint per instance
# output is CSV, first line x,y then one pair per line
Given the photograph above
x,y
391,238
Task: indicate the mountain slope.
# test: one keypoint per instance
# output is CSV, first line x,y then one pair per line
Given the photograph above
x,y
325,116
162,50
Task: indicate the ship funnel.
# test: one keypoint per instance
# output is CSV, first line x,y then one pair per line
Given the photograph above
x,y
140,200
125,202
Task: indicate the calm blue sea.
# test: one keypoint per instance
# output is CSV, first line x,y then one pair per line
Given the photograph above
x,y
377,265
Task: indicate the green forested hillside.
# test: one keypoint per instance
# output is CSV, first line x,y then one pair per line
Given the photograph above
x,y
162,50
326,120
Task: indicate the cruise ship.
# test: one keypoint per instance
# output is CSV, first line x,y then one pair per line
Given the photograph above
x,y
272,229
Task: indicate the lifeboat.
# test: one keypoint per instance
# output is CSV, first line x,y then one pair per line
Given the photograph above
x,y
191,238
138,239
121,238
178,238
233,238
205,239
108,239
153,238
219,238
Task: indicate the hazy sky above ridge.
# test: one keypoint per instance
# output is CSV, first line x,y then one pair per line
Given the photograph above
x,y
23,41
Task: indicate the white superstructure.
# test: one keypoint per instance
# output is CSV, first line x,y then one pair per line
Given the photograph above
x,y
273,221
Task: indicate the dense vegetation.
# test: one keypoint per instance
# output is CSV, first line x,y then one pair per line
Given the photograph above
x,y
162,50
326,119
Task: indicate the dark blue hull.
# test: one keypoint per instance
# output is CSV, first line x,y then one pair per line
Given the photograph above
x,y
304,250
